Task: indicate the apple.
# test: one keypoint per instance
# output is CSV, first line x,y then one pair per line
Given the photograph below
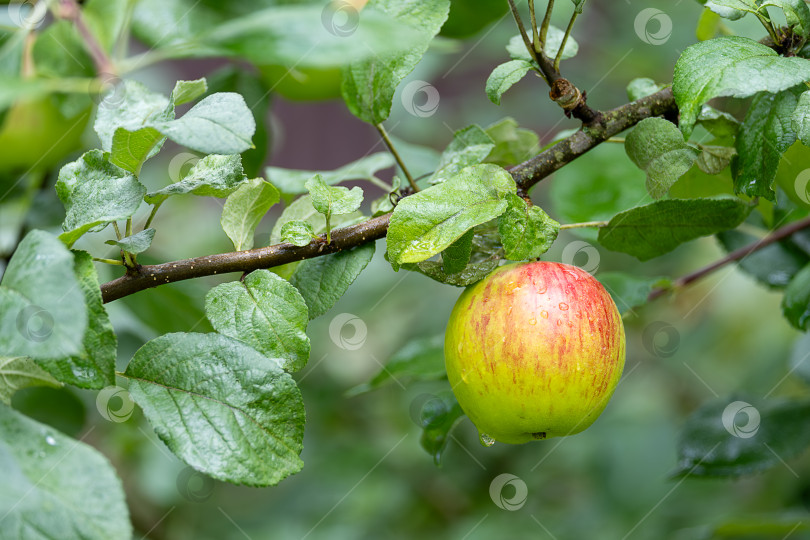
x,y
534,350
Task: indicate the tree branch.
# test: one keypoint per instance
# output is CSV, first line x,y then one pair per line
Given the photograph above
x,y
70,10
734,256
526,175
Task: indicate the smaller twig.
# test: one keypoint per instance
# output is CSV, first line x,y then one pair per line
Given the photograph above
x,y
769,27
70,10
584,225
387,140
526,41
117,230
533,16
734,256
558,58
152,214
108,261
545,25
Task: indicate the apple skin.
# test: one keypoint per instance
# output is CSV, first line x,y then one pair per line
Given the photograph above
x,y
534,350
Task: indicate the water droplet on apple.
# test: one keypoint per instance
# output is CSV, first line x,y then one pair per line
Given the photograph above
x,y
563,306
486,440
570,324
544,314
578,366
559,322
579,314
532,322
459,348
541,289
509,311
503,339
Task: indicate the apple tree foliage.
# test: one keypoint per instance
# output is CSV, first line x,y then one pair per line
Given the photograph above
x,y
226,402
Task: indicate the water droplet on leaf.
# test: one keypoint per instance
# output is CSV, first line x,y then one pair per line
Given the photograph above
x,y
486,440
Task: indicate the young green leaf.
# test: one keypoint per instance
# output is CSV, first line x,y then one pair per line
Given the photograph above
x,y
244,209
714,159
248,431
526,231
801,118
137,243
293,181
658,148
714,442
17,372
219,124
517,49
264,311
330,201
472,273
130,149
297,233
419,360
437,415
732,9
470,146
720,124
212,176
797,14
131,106
649,231
95,192
187,91
504,76
457,254
796,302
369,85
42,309
730,66
94,365
323,280
765,134
642,87
53,483
513,144
427,222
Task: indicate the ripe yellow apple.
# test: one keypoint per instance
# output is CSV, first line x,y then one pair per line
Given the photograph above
x,y
534,350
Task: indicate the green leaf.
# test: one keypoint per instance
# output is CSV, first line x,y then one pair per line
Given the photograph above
x,y
457,255
504,76
130,149
708,25
513,144
801,118
106,19
222,407
657,147
330,201
732,437
187,91
765,134
800,358
427,222
649,231
301,209
94,365
642,87
797,14
470,146
292,181
95,192
732,9
437,417
137,243
297,233
598,188
132,106
419,360
629,291
55,486
714,159
42,308
219,124
796,302
323,280
244,209
774,265
517,49
720,124
730,66
369,85
17,372
526,231
212,176
264,311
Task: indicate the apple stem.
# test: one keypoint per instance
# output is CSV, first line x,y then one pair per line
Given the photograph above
x,y
584,225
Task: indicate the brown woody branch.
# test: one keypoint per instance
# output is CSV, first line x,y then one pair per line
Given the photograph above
x,y
526,175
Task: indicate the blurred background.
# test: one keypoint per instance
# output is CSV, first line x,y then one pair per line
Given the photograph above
x,y
365,474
